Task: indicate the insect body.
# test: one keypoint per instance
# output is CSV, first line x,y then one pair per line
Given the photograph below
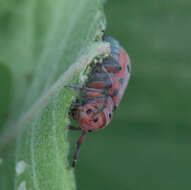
x,y
101,94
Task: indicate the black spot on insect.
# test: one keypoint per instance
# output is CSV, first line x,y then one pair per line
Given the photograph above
x,y
121,81
117,67
110,115
89,131
128,68
115,92
95,120
89,111
114,108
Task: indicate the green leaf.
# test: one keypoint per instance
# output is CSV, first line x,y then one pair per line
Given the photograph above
x,y
44,45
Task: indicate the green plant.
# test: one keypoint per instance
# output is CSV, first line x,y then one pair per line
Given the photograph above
x,y
43,46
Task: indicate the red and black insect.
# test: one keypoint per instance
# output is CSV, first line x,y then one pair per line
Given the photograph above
x,y
101,94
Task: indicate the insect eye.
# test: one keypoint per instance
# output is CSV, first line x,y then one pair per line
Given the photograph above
x,y
89,111
95,120
110,115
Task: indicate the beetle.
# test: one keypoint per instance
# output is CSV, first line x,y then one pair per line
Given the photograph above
x,y
101,94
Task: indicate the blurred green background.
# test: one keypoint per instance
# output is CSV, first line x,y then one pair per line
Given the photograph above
x,y
147,145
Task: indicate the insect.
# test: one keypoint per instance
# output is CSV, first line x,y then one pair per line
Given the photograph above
x,y
101,93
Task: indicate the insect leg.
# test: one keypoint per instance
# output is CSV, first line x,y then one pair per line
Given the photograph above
x,y
84,88
74,128
79,143
95,97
